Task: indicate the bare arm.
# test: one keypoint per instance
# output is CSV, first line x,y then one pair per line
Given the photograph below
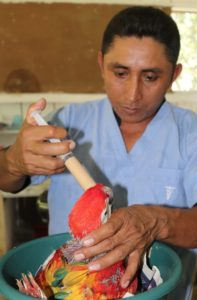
x,y
31,154
9,181
130,231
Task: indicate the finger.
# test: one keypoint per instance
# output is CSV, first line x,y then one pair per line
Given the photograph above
x,y
110,258
34,139
123,248
40,169
45,162
109,254
133,263
47,132
39,105
93,251
50,149
43,171
104,232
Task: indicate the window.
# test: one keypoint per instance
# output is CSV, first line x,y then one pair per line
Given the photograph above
x,y
186,22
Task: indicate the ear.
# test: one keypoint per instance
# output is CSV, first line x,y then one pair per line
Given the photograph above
x,y
100,59
177,72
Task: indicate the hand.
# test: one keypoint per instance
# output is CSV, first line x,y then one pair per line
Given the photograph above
x,y
32,154
128,233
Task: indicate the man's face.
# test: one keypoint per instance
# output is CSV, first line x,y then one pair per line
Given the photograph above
x,y
136,75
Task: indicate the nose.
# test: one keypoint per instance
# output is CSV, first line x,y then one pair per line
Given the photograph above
x,y
133,89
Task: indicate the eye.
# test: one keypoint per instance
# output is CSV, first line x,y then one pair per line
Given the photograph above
x,y
120,73
110,200
150,77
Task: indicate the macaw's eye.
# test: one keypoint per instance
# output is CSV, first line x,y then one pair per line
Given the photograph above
x,y
110,200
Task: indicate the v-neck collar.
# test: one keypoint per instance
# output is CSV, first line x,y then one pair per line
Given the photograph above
x,y
144,143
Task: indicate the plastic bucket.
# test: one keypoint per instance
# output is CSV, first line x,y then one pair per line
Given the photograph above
x,y
29,256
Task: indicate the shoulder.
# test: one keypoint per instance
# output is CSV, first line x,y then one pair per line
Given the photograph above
x,y
76,113
184,117
88,106
186,122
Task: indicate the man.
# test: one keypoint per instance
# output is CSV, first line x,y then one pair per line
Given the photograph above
x,y
133,140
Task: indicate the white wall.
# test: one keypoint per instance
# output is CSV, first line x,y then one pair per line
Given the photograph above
x,y
173,3
15,105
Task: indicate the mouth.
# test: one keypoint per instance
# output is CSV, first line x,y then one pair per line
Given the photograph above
x,y
130,110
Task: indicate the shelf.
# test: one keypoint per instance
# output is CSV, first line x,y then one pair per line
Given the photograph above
x,y
28,192
53,98
8,131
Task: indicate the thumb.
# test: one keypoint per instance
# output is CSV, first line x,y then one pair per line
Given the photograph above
x,y
39,105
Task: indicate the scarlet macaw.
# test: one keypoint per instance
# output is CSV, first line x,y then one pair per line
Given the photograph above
x,y
61,277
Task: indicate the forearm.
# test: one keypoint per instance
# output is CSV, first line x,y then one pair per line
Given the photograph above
x,y
180,226
10,179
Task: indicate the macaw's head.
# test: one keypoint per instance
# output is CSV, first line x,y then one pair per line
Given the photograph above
x,y
91,210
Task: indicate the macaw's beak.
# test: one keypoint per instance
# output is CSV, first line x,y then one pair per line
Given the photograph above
x,y
106,213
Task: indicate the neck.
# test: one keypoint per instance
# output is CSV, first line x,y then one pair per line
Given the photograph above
x,y
132,132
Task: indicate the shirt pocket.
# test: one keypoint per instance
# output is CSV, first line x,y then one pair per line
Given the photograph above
x,y
158,186
166,186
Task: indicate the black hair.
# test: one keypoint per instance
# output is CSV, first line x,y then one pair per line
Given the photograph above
x,y
144,21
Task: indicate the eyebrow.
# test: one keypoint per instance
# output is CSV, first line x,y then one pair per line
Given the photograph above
x,y
146,70
154,70
118,66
